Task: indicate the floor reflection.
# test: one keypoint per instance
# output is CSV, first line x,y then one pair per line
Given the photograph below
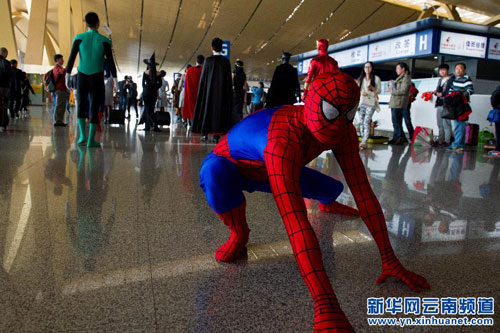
x,y
77,225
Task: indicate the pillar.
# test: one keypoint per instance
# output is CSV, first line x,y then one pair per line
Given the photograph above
x,y
36,32
64,16
7,37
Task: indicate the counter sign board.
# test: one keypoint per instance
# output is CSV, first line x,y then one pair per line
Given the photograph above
x,y
494,49
405,46
463,44
351,57
399,47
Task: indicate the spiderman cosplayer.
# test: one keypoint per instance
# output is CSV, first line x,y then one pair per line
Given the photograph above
x,y
320,64
268,151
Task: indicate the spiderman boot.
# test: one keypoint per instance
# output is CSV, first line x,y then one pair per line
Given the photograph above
x,y
338,208
235,247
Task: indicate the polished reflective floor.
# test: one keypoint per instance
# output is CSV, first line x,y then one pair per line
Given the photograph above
x,y
122,239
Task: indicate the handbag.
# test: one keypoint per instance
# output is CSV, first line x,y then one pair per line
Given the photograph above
x,y
456,106
494,116
449,112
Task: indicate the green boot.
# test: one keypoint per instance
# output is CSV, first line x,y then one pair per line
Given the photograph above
x,y
81,127
91,143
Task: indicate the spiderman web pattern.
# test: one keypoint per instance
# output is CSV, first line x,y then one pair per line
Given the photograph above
x,y
296,136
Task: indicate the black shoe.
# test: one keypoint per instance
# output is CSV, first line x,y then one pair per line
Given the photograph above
x,y
400,142
156,129
204,138
60,124
147,129
216,138
391,142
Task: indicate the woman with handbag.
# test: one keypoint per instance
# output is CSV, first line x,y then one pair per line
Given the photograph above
x,y
370,87
442,89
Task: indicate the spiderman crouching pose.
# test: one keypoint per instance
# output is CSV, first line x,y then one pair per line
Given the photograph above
x,y
267,152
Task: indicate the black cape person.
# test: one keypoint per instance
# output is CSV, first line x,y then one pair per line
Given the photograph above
x,y
212,113
284,85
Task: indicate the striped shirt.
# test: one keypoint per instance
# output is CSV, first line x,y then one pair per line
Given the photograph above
x,y
464,84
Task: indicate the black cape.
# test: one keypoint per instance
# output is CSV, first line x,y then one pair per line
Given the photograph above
x,y
284,86
212,113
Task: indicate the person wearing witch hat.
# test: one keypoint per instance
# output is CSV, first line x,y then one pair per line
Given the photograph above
x,y
151,82
284,85
95,50
212,113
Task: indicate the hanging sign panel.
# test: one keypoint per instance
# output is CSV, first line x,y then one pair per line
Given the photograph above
x,y
494,49
463,44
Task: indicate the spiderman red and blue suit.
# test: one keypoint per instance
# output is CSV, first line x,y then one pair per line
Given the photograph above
x,y
267,152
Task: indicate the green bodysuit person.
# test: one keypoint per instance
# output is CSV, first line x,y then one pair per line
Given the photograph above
x,y
95,51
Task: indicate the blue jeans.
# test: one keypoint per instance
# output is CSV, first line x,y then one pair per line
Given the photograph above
x,y
53,102
459,134
123,102
408,123
497,136
397,123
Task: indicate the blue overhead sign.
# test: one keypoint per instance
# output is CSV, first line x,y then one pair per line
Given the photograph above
x,y
405,46
226,47
416,39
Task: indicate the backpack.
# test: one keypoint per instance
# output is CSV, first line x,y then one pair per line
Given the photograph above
x,y
413,93
49,81
493,116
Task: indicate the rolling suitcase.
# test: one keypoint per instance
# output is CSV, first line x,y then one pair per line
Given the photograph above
x,y
471,134
162,118
116,116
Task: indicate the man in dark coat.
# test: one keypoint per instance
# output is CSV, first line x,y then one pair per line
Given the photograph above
x,y
15,89
212,113
5,78
284,85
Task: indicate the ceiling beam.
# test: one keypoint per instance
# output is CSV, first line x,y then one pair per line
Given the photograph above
x,y
492,21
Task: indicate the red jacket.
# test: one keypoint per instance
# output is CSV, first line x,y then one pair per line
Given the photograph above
x,y
59,73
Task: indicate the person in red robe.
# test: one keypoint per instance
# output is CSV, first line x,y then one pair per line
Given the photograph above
x,y
320,64
193,76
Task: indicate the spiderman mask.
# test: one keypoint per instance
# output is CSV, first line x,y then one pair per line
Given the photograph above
x,y
331,106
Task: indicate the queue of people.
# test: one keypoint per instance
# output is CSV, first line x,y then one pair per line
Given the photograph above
x,y
15,88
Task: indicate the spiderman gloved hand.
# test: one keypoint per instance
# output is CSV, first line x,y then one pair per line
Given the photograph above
x,y
268,152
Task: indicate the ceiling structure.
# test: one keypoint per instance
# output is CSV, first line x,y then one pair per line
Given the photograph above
x,y
259,30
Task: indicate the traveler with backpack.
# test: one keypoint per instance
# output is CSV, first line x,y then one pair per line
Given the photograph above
x,y
5,74
60,90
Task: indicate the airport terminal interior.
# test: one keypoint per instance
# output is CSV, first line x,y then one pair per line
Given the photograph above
x,y
249,166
